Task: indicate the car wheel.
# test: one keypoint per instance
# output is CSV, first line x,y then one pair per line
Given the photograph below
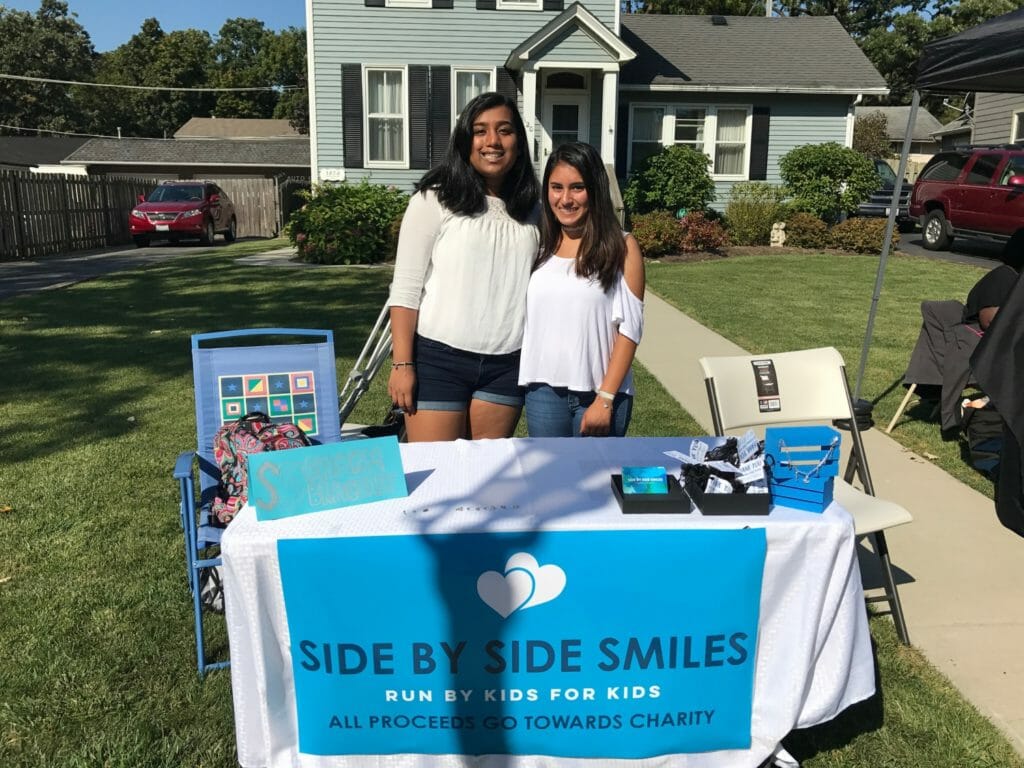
x,y
232,231
207,237
141,241
933,231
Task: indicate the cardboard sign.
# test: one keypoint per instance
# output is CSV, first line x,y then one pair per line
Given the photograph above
x,y
590,644
300,480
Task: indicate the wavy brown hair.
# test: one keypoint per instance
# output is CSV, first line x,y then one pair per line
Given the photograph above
x,y
602,253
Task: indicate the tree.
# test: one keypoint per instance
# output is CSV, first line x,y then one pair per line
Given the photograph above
x,y
673,179
871,136
284,61
50,44
241,62
181,59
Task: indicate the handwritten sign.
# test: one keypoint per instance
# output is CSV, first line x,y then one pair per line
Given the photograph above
x,y
300,480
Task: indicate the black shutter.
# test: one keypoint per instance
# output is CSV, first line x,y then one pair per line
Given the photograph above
x,y
759,144
440,112
419,150
554,5
442,4
622,139
374,3
506,84
487,5
352,113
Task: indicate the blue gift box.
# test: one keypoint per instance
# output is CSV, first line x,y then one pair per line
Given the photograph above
x,y
803,463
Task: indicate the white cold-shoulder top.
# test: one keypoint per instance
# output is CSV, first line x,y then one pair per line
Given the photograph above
x,y
571,327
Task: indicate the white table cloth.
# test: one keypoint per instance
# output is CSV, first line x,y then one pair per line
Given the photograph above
x,y
814,653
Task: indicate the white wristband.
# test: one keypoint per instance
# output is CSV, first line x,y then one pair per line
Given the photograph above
x,y
605,395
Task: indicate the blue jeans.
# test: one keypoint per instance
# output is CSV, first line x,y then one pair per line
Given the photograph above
x,y
558,412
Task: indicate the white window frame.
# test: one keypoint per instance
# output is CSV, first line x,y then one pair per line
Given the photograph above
x,y
367,162
668,132
1015,136
491,73
408,3
520,5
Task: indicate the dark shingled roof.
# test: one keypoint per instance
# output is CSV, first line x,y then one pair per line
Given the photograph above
x,y
753,53
235,152
925,124
30,151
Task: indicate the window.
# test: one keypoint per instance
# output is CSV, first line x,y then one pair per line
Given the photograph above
x,y
1014,167
721,133
520,5
944,167
983,169
1017,134
646,124
385,117
467,85
408,3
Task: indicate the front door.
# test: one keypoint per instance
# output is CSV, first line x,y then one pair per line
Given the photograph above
x,y
566,119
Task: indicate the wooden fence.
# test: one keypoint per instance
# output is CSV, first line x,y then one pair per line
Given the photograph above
x,y
43,214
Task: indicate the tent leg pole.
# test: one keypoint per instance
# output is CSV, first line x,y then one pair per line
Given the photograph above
x,y
890,225
899,411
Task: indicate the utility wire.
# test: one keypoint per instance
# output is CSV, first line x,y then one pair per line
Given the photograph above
x,y
149,87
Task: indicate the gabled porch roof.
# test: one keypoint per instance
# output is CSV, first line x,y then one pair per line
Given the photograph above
x,y
573,18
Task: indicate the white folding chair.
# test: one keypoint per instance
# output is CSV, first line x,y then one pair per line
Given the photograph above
x,y
810,386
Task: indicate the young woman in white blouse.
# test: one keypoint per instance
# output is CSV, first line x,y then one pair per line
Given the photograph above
x,y
467,244
584,306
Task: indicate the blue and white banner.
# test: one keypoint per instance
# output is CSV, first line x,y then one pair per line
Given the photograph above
x,y
599,644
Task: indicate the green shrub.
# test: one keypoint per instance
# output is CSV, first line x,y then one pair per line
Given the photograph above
x,y
827,179
700,234
677,177
805,230
860,235
752,209
347,223
656,233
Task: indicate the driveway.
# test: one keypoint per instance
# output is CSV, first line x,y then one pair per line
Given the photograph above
x,y
965,250
17,277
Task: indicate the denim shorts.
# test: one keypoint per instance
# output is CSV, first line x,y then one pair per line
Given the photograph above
x,y
448,378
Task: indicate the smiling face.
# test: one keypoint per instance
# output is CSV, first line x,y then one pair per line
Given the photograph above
x,y
494,147
567,196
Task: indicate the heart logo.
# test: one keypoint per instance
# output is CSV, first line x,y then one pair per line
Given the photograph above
x,y
524,584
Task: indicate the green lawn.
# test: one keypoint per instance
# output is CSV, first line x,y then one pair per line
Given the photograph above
x,y
96,647
797,301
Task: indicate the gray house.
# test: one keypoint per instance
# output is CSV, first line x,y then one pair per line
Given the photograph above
x,y
388,78
998,118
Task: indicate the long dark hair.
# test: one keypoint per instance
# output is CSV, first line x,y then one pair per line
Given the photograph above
x,y
602,253
461,189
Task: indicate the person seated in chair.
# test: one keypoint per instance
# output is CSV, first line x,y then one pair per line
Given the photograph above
x,y
991,291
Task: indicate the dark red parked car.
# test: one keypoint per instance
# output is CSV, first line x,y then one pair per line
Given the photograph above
x,y
179,210
972,191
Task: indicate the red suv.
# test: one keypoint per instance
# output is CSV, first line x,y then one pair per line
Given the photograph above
x,y
177,210
971,191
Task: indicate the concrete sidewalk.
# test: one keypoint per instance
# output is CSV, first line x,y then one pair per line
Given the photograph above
x,y
958,569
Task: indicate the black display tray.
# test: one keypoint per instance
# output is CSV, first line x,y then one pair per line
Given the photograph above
x,y
731,503
675,502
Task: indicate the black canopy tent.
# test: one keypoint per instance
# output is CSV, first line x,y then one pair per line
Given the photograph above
x,y
988,57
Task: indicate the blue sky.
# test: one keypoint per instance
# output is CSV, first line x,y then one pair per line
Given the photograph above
x,y
112,22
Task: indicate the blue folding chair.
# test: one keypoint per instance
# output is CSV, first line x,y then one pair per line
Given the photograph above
x,y
286,373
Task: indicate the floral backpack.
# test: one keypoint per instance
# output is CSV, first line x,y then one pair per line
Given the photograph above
x,y
233,443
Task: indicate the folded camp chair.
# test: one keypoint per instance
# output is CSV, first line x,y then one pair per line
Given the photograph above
x,y
368,364
811,387
287,373
940,360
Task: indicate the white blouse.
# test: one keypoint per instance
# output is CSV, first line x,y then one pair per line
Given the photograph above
x,y
571,327
467,275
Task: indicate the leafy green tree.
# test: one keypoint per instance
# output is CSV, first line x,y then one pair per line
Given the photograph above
x,y
827,179
181,59
241,62
284,61
49,44
871,136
